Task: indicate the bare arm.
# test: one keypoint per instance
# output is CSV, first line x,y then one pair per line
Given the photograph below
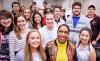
x,y
92,54
98,37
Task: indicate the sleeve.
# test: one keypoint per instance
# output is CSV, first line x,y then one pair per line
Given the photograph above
x,y
88,24
99,25
12,46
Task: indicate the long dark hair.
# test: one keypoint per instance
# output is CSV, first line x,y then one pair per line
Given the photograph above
x,y
90,33
34,23
7,14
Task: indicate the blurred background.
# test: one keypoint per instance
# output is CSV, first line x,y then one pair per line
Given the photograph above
x,y
66,4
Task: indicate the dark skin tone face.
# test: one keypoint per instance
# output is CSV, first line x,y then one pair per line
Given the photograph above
x,y
63,34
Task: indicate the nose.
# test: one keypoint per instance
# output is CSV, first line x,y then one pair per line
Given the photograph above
x,y
63,33
21,23
84,37
6,20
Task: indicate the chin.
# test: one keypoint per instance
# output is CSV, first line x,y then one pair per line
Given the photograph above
x,y
35,46
62,41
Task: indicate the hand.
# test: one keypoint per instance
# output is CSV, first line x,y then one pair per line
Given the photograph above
x,y
94,42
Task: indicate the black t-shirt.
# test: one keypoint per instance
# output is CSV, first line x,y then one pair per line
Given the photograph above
x,y
95,26
4,49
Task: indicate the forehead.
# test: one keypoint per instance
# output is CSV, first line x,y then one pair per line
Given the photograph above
x,y
49,16
20,18
16,4
56,9
36,15
63,28
85,32
77,6
34,34
3,17
27,10
91,8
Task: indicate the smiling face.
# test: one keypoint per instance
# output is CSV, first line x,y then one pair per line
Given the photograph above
x,y
63,33
91,11
76,10
34,39
49,20
37,18
84,37
27,13
21,22
16,7
6,22
57,12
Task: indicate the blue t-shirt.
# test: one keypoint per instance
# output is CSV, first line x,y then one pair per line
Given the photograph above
x,y
75,20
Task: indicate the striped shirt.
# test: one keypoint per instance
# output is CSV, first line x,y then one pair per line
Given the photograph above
x,y
15,44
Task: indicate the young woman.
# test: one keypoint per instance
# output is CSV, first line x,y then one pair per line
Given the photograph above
x,y
17,38
60,49
27,13
84,50
33,50
6,26
37,20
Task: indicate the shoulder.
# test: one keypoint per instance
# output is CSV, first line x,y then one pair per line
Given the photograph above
x,y
69,18
12,33
91,48
42,28
50,44
72,45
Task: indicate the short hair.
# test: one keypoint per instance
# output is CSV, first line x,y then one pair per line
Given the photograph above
x,y
76,4
63,10
58,7
15,3
45,2
92,6
34,3
49,13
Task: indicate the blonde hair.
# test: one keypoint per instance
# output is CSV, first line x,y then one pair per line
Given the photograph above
x,y
28,52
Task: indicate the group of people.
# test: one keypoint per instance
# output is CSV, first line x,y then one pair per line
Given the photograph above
x,y
34,34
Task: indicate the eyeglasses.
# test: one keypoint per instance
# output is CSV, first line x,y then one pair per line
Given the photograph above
x,y
3,19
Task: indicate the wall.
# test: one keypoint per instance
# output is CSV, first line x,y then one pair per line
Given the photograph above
x,y
6,4
1,5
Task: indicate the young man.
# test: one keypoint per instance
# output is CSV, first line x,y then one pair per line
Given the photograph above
x,y
49,31
57,14
16,8
76,22
95,27
33,7
95,24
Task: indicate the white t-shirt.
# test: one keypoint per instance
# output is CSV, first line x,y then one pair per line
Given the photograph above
x,y
36,57
47,35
